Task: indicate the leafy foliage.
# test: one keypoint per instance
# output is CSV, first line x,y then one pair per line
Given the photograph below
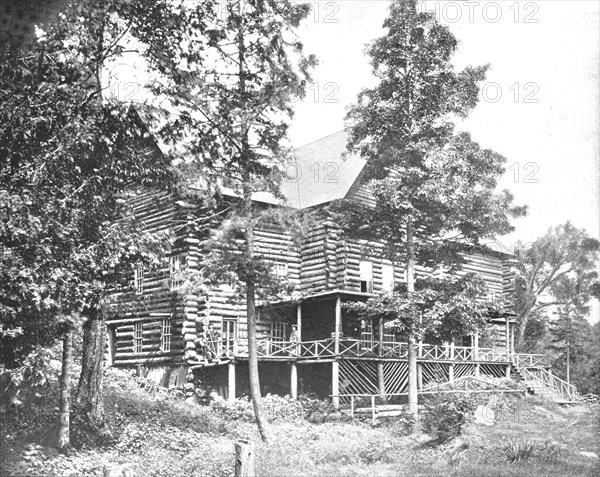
x,y
518,450
445,307
446,414
558,270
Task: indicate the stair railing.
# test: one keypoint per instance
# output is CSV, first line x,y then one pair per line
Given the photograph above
x,y
546,378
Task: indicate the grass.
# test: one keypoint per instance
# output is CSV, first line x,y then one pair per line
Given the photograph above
x,y
160,436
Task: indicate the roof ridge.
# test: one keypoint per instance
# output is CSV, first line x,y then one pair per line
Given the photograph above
x,y
320,139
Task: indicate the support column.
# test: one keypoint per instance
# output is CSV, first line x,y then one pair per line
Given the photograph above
x,y
380,378
231,382
477,370
476,346
299,328
507,371
451,373
380,337
507,339
294,381
512,341
419,376
338,324
335,383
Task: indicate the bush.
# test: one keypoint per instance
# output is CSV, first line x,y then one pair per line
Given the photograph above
x,y
518,451
445,414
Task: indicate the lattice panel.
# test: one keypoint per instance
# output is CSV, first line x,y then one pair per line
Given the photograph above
x,y
434,373
395,376
494,370
462,370
358,377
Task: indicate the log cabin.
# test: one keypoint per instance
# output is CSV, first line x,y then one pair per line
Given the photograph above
x,y
307,343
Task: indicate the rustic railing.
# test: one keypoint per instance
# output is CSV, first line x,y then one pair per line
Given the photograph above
x,y
547,379
530,360
352,347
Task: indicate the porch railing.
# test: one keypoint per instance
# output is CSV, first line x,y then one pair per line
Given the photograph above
x,y
531,360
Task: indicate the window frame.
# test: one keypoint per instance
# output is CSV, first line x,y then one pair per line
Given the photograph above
x,y
138,337
166,333
388,265
366,276
278,331
229,330
280,269
175,281
138,280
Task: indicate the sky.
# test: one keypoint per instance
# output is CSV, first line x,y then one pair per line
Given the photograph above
x,y
539,106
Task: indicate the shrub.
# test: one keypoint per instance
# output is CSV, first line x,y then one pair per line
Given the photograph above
x,y
518,451
445,414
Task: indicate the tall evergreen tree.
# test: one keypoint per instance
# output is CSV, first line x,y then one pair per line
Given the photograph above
x,y
430,184
231,128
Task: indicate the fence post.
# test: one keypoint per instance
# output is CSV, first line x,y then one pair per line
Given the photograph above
x,y
244,458
373,408
352,405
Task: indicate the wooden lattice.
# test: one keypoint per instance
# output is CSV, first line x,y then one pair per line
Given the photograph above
x,y
462,370
434,373
358,377
494,370
395,377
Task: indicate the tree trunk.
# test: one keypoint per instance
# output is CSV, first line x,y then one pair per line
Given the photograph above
x,y
64,440
412,340
255,394
89,398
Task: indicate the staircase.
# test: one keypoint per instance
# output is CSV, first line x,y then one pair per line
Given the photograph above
x,y
543,383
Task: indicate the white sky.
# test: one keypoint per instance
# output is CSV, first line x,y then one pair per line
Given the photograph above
x,y
555,61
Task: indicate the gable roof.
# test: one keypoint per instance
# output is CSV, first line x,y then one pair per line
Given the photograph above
x,y
323,171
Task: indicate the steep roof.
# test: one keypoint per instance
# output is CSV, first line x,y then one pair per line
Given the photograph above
x,y
322,172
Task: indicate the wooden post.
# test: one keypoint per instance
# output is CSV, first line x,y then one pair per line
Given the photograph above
x,y
244,458
507,371
380,336
338,324
477,370
373,408
352,405
512,340
476,346
419,376
451,373
293,381
380,378
299,320
231,382
420,345
335,383
451,349
507,340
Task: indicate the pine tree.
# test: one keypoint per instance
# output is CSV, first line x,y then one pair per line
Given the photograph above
x,y
429,183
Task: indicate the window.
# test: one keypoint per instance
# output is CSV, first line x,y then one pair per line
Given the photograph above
x,y
229,328
366,331
366,277
439,272
138,280
165,334
278,331
387,276
137,337
175,272
280,269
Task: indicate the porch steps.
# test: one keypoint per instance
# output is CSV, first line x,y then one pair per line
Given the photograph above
x,y
543,383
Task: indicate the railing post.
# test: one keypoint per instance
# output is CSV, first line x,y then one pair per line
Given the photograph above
x,y
452,350
338,324
476,346
420,348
